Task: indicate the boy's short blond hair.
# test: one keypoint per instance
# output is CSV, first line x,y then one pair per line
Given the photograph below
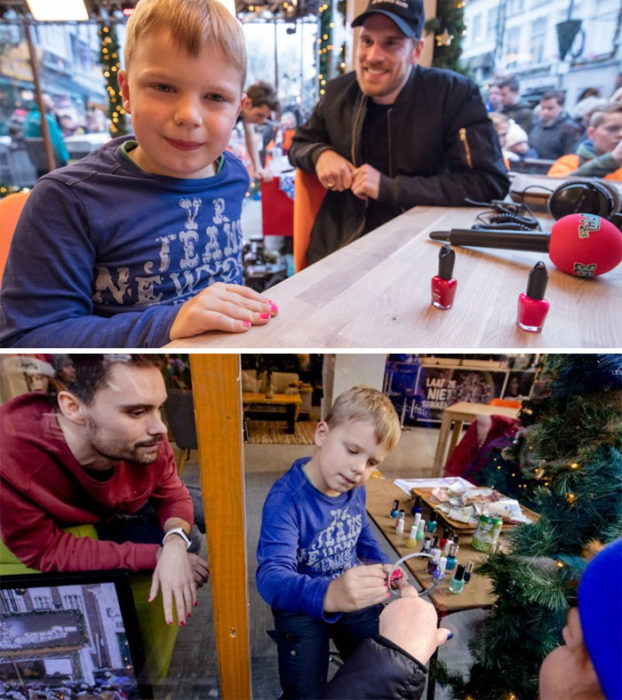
x,y
362,403
193,24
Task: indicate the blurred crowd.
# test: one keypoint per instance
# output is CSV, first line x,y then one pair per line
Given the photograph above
x,y
583,140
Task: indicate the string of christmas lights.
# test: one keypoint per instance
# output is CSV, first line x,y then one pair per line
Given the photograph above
x,y
109,58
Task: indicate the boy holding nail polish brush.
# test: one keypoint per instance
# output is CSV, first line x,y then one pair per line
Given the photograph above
x,y
319,564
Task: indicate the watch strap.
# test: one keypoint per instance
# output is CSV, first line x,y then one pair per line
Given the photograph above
x,y
177,531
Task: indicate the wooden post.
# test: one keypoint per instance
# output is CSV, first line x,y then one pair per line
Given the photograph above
x,y
218,416
45,131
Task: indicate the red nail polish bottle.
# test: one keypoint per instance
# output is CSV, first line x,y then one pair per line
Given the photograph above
x,y
443,284
532,306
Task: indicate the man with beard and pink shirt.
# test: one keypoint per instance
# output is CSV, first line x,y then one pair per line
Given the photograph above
x,y
98,454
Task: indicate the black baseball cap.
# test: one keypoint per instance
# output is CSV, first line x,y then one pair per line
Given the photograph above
x,y
407,14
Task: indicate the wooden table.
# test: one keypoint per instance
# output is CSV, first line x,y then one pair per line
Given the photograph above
x,y
259,405
458,414
375,293
477,593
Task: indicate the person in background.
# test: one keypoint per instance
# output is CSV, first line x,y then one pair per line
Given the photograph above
x,y
260,102
601,155
97,453
554,133
513,107
394,134
319,565
513,140
517,143
586,667
140,242
32,128
494,102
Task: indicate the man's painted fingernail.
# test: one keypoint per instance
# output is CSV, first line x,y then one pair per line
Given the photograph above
x,y
169,622
182,623
188,614
450,636
274,307
266,315
246,324
196,602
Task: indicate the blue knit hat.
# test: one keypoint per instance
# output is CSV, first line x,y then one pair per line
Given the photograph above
x,y
600,612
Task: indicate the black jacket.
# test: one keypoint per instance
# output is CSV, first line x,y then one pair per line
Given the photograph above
x,y
557,139
378,669
442,149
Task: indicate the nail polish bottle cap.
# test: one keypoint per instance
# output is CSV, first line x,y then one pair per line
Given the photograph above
x,y
469,566
538,279
459,575
446,259
442,565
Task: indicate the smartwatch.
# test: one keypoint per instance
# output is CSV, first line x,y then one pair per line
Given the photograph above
x,y
177,531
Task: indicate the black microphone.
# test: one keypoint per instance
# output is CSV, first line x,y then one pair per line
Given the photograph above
x,y
491,238
584,245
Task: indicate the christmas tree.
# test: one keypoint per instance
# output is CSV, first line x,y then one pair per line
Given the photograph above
x,y
448,26
571,447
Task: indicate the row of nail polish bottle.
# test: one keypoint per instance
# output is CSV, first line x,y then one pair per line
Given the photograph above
x,y
532,306
462,576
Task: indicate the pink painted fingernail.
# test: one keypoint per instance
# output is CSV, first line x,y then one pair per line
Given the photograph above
x,y
266,315
189,614
246,324
274,307
182,623
169,622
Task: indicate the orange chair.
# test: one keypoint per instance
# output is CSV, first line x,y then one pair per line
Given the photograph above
x,y
10,208
309,194
510,403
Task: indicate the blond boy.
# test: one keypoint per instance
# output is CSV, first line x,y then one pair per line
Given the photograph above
x,y
140,243
319,564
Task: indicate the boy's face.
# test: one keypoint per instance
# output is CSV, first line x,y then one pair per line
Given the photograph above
x,y
183,107
607,134
345,457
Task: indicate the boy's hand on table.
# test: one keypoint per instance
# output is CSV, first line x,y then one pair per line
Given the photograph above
x,y
357,588
222,307
174,576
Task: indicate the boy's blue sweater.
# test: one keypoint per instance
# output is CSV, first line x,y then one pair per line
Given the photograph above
x,y
308,539
104,252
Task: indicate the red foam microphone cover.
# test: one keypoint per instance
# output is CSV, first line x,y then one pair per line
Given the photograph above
x,y
585,245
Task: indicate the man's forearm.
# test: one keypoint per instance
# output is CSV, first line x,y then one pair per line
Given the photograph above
x,y
598,167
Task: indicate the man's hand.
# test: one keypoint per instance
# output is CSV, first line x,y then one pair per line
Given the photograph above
x,y
200,569
174,575
334,171
357,588
366,182
616,154
222,307
264,174
411,623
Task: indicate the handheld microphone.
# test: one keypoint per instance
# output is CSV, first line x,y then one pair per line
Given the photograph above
x,y
583,245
